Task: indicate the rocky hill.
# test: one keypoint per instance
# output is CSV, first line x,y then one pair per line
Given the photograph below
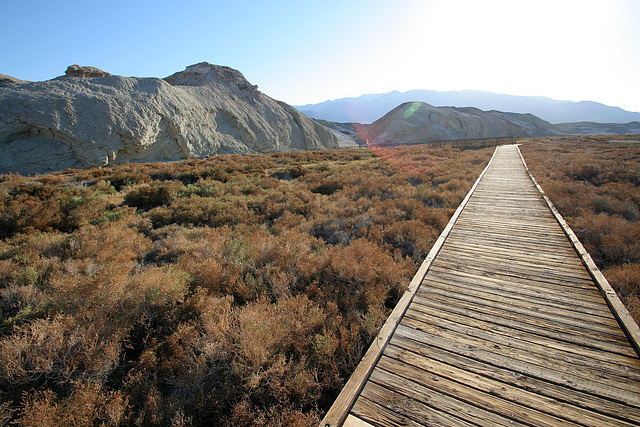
x,y
418,122
89,117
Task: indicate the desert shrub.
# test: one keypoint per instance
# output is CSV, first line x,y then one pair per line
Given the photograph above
x,y
610,239
10,182
328,187
148,197
625,279
124,176
412,237
272,343
224,291
333,232
88,404
46,209
362,275
20,302
57,350
289,174
197,210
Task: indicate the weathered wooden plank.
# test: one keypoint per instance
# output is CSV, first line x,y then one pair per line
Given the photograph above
x,y
419,396
520,318
565,264
427,367
499,252
539,226
526,270
352,421
575,289
531,303
462,391
496,238
497,235
555,294
472,348
581,400
386,408
369,411
535,337
503,210
574,336
514,275
514,249
566,362
534,316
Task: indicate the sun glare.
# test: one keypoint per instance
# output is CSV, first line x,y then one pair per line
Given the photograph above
x,y
563,50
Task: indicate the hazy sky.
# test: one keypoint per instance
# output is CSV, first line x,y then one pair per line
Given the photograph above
x,y
304,51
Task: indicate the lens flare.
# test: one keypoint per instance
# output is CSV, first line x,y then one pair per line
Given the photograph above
x,y
387,153
412,109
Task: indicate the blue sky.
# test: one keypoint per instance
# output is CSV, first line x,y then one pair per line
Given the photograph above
x,y
310,51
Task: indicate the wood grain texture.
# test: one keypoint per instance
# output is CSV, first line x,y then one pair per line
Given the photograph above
x,y
507,323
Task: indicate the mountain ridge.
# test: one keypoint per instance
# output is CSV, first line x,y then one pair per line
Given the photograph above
x,y
370,107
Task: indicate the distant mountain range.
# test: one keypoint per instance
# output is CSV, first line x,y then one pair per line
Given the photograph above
x,y
369,108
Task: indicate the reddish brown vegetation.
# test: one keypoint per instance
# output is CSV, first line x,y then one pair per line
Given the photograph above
x,y
594,184
227,291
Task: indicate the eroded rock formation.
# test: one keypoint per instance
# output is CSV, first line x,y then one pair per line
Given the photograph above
x,y
84,71
71,122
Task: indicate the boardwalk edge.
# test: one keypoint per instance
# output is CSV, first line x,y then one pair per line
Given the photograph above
x,y
340,409
618,309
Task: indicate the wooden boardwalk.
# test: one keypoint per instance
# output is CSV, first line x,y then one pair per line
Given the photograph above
x,y
504,324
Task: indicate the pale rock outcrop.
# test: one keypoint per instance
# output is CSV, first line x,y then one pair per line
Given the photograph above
x,y
74,122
